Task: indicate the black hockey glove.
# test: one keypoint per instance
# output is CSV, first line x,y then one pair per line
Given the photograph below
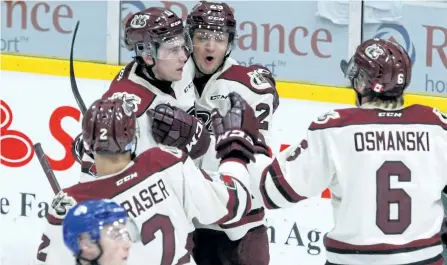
x,y
236,131
174,127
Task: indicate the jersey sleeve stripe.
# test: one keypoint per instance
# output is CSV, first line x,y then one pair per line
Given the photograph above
x,y
437,260
232,206
339,247
252,217
248,196
246,211
233,201
268,202
282,185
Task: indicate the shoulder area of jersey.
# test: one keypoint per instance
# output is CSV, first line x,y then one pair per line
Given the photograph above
x,y
163,155
60,205
123,74
136,94
414,114
251,77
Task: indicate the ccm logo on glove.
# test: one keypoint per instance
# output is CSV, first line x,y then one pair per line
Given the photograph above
x,y
234,133
195,137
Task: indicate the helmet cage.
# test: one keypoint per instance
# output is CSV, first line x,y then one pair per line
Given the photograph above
x,y
175,45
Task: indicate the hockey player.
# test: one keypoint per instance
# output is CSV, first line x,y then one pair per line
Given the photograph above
x,y
157,75
98,232
384,164
212,28
161,189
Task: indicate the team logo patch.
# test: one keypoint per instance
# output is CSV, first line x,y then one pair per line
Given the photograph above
x,y
374,51
139,21
257,80
327,116
131,100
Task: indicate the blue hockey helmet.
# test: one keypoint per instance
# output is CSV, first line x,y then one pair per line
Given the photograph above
x,y
90,217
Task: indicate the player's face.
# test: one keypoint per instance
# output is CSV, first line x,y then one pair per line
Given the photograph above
x,y
209,49
171,58
115,242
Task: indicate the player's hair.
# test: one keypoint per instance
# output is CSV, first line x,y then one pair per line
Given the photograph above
x,y
384,102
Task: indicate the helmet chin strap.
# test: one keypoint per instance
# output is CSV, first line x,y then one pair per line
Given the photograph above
x,y
358,101
91,262
148,68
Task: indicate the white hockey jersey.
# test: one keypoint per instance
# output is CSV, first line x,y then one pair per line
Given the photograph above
x,y
262,97
385,170
128,85
162,190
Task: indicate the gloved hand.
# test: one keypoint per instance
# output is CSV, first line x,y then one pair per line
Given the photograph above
x,y
174,127
236,131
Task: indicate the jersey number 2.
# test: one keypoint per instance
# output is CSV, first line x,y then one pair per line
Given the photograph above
x,y
388,197
164,224
265,108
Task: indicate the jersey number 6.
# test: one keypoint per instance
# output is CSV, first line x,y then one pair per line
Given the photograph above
x,y
387,197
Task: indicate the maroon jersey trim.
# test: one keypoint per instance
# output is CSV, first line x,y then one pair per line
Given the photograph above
x,y
145,165
122,84
232,205
437,260
281,185
233,201
252,217
339,247
239,74
415,114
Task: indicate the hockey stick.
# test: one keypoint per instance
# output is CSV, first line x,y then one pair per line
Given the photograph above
x,y
46,168
74,86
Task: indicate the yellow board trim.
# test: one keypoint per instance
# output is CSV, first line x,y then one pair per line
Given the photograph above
x,y
285,89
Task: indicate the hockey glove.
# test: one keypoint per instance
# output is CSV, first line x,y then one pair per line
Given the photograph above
x,y
174,127
236,130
